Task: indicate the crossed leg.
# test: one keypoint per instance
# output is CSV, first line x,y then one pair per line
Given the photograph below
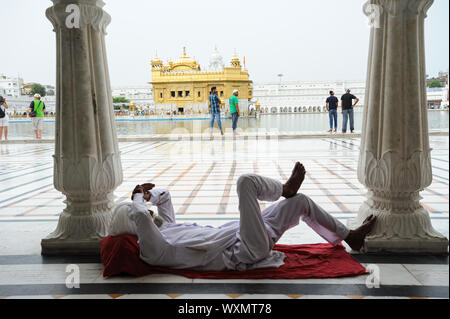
x,y
259,232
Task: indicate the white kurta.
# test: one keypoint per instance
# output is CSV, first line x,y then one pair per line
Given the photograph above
x,y
241,245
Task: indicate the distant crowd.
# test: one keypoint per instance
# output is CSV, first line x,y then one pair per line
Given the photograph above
x,y
348,103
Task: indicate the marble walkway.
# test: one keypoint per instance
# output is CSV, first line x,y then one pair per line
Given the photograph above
x,y
201,176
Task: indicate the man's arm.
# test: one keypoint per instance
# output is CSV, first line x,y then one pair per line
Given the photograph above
x,y
139,203
356,102
161,198
328,105
152,243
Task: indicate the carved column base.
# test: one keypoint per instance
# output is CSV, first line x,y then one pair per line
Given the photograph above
x,y
401,233
77,234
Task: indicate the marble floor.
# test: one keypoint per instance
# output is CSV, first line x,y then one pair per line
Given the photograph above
x,y
202,175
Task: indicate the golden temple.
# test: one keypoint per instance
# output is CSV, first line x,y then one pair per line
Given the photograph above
x,y
183,82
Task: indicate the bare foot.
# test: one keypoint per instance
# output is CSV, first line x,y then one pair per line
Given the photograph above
x,y
356,237
290,189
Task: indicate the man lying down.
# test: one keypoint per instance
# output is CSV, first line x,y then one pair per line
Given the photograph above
x,y
242,245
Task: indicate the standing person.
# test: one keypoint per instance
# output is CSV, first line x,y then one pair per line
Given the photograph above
x,y
37,108
234,110
347,110
332,106
215,109
4,119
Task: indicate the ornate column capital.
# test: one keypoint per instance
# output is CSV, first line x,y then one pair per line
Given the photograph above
x,y
78,14
397,7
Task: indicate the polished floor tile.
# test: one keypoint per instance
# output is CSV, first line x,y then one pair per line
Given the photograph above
x,y
201,177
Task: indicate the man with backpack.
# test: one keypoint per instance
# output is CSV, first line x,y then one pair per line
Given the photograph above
x,y
37,108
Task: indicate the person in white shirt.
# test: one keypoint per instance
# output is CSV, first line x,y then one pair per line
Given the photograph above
x,y
4,121
241,245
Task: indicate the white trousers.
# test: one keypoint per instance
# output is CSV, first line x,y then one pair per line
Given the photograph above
x,y
259,231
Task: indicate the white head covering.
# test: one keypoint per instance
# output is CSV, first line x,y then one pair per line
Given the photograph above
x,y
37,96
122,224
235,91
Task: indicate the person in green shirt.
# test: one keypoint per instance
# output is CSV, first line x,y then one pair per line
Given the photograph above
x,y
38,107
234,110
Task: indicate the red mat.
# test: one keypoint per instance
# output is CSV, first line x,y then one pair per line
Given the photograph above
x,y
120,255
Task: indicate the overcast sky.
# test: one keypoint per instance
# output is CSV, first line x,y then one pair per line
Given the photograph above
x,y
304,40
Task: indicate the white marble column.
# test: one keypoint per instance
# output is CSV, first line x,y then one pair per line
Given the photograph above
x,y
395,159
87,165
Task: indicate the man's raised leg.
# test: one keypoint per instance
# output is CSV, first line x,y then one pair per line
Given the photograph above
x,y
255,240
287,214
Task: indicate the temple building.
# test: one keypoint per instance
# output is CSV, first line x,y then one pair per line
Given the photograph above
x,y
183,87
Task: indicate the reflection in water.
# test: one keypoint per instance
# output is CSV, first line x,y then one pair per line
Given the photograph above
x,y
317,123
4,149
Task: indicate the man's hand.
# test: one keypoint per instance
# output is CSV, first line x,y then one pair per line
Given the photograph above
x,y
139,189
148,187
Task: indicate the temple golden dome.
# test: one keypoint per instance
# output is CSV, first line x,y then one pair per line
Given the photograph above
x,y
235,62
157,60
181,82
185,63
157,63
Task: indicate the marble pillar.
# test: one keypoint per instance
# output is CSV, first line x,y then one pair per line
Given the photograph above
x,y
87,165
395,159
